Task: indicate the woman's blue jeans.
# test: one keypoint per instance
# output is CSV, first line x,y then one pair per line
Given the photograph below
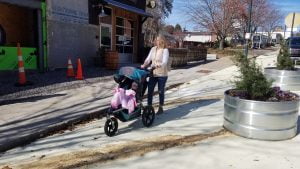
x,y
161,89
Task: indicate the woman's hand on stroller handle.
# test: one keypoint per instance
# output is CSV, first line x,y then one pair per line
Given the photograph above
x,y
149,68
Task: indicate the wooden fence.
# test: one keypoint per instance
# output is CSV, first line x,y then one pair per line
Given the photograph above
x,y
180,57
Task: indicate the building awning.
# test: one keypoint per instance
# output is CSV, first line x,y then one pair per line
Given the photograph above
x,y
35,4
128,8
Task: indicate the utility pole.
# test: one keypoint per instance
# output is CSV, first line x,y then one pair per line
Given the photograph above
x,y
284,32
292,29
248,28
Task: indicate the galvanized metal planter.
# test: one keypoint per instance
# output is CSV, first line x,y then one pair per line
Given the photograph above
x,y
261,120
285,79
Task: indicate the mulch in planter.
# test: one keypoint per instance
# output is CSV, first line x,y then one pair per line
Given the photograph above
x,y
277,95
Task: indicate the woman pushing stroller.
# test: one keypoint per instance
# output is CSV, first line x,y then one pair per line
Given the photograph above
x,y
158,58
126,103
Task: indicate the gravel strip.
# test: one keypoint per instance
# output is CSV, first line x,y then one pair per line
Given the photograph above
x,y
48,83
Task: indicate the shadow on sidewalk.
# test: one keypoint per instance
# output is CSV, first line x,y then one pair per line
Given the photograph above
x,y
29,99
176,113
193,64
28,128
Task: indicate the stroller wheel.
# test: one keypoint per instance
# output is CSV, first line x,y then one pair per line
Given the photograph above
x,y
111,126
148,116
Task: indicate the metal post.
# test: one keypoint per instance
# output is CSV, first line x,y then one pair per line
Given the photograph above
x,y
292,29
284,32
41,63
249,28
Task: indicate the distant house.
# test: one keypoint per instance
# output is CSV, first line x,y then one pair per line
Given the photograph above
x,y
197,38
279,33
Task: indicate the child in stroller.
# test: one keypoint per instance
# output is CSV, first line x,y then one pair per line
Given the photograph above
x,y
127,104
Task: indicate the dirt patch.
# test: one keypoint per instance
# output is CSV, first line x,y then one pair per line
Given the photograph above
x,y
190,100
224,53
121,151
204,71
6,167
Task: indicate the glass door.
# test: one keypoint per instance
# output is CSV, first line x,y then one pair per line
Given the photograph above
x,y
124,39
105,40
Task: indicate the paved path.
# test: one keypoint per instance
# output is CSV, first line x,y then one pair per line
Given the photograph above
x,y
24,121
228,152
182,118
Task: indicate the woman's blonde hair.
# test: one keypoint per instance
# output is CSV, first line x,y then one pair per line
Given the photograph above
x,y
162,41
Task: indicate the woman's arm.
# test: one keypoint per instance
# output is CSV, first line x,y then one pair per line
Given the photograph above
x,y
148,59
165,58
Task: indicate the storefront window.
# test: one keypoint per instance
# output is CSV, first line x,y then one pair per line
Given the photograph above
x,y
124,35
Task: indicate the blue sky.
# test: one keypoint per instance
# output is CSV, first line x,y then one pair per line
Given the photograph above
x,y
178,15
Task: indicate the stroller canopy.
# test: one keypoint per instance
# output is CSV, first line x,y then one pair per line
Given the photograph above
x,y
133,73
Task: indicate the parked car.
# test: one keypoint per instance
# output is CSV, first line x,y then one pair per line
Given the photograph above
x,y
294,47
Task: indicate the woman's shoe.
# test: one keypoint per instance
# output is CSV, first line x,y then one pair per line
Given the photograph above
x,y
160,110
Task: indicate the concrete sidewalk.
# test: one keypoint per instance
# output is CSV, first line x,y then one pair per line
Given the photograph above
x,y
23,122
184,117
221,152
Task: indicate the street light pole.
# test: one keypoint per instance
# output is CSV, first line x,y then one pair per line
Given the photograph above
x,y
249,28
292,29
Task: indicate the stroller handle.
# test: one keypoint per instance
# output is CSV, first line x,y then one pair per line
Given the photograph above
x,y
149,69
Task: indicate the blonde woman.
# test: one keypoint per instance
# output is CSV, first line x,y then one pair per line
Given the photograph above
x,y
158,57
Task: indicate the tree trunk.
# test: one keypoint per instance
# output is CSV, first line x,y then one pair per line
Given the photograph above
x,y
221,43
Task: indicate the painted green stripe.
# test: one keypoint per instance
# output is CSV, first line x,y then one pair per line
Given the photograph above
x,y
44,18
9,58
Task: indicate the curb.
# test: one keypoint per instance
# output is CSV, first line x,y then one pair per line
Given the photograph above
x,y
25,140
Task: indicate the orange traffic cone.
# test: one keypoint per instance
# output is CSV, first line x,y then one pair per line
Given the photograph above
x,y
70,71
22,76
79,70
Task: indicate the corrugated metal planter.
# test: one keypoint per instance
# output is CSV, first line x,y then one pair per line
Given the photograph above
x,y
285,79
261,120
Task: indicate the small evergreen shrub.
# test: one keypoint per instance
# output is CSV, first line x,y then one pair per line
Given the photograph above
x,y
252,81
284,62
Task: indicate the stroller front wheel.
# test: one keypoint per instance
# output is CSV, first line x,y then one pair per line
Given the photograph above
x,y
111,126
148,116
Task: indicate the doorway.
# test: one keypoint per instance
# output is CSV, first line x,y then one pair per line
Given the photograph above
x,y
21,24
124,39
105,36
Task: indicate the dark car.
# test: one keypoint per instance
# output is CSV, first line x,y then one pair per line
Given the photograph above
x,y
294,47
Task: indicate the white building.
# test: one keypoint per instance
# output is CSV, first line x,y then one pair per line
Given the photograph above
x,y
201,37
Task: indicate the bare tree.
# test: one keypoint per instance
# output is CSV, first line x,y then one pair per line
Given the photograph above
x,y
228,17
153,25
169,28
216,16
264,15
259,8
273,19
